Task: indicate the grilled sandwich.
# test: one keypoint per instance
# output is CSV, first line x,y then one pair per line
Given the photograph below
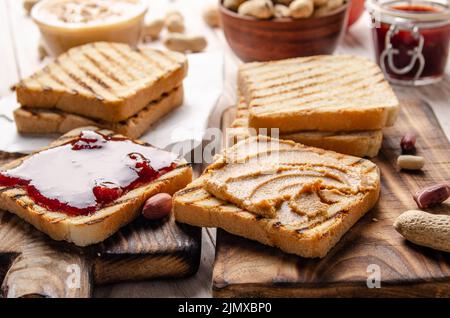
x,y
107,81
323,93
297,198
48,121
355,143
52,188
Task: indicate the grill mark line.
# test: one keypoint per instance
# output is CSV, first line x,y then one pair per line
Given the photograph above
x,y
102,69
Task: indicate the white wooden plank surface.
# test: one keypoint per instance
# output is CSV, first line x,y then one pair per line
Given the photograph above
x,y
8,72
19,55
25,38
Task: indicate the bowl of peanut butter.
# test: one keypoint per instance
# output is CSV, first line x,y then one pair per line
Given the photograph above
x,y
68,23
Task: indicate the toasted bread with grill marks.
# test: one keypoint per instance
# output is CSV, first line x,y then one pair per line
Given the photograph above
x,y
310,215
89,229
324,93
48,121
107,81
355,143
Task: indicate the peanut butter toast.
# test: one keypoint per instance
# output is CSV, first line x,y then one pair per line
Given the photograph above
x,y
47,121
297,198
107,81
356,143
324,93
88,184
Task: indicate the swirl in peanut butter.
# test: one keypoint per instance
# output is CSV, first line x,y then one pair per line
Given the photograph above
x,y
291,179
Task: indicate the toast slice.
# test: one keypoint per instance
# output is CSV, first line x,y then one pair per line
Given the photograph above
x,y
83,230
355,143
47,121
325,93
107,81
317,195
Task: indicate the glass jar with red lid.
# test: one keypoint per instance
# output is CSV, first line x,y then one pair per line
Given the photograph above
x,y
411,39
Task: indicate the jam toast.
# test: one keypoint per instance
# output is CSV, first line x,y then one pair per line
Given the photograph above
x,y
297,198
47,121
355,143
88,184
324,93
107,81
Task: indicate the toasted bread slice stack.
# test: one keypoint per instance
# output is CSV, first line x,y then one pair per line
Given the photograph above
x,y
355,143
335,102
110,84
325,93
297,198
84,230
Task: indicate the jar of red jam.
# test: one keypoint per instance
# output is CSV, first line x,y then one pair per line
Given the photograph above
x,y
411,39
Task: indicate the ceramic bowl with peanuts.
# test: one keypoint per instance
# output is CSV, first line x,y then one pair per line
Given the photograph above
x,y
263,30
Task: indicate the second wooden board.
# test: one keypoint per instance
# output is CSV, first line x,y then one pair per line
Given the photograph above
x,y
371,252
32,264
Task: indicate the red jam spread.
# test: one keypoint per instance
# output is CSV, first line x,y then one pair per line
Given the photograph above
x,y
84,175
434,51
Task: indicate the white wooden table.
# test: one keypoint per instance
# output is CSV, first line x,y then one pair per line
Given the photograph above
x,y
19,56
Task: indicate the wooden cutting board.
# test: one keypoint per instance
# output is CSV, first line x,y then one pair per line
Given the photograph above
x,y
245,268
32,264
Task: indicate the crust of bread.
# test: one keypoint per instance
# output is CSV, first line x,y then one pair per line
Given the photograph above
x,y
48,121
326,93
359,144
355,143
196,206
95,228
68,85
348,120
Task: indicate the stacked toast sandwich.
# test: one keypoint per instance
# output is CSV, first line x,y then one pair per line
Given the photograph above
x,y
109,85
339,103
280,193
88,183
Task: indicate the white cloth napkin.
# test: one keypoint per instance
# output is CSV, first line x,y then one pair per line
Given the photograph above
x,y
202,87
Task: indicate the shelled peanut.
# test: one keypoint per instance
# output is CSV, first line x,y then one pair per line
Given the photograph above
x,y
432,195
158,206
409,162
296,9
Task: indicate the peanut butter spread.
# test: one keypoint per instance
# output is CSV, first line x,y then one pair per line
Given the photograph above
x,y
88,12
272,178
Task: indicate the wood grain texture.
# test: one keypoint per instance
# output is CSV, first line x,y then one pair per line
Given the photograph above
x,y
31,264
245,268
265,40
174,249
